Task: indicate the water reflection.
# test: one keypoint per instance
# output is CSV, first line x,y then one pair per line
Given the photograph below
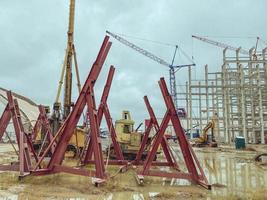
x,y
229,173
238,175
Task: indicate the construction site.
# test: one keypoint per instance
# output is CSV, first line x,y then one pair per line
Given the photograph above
x,y
128,123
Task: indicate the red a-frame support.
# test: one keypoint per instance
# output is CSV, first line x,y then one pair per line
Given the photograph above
x,y
24,141
195,172
104,110
93,146
43,122
171,161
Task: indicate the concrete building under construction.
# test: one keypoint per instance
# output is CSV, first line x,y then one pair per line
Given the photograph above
x,y
235,97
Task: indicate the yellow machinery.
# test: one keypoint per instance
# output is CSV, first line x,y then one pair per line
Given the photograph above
x,y
204,140
57,118
129,138
76,142
78,137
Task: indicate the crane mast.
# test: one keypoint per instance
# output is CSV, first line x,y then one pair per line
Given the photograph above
x,y
173,80
172,68
66,75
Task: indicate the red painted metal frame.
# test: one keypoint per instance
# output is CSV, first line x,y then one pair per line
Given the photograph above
x,y
171,161
104,110
65,132
4,120
26,150
43,122
195,171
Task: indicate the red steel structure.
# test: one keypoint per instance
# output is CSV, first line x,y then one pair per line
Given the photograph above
x,y
93,148
43,124
171,161
26,150
195,172
103,110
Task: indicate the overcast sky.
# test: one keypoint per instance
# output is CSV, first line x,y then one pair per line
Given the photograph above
x,y
33,41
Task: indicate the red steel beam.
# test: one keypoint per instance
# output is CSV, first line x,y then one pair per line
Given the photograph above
x,y
155,144
166,149
179,131
95,135
104,110
190,158
4,120
46,125
144,143
24,154
23,140
72,120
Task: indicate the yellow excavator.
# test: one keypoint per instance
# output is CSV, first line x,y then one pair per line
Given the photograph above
x,y
204,140
129,138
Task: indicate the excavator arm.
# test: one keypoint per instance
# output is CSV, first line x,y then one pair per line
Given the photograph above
x,y
204,137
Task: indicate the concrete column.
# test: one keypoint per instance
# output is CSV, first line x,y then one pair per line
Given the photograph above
x,y
187,106
200,106
207,92
243,104
190,101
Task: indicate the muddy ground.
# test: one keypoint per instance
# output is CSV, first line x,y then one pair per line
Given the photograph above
x,y
232,174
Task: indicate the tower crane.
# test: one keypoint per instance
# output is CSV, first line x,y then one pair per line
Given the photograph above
x,y
66,74
172,68
223,45
219,44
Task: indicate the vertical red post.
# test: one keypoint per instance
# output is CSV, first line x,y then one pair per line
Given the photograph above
x,y
95,136
104,110
24,154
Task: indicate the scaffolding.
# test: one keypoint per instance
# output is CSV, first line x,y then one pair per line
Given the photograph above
x,y
235,97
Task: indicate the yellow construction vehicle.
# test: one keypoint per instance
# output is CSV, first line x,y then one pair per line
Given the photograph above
x,y
78,138
129,138
204,140
74,147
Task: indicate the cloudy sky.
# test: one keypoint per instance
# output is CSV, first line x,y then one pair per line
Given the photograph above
x,y
33,41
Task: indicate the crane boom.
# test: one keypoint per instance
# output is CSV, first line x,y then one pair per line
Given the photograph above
x,y
139,49
220,44
158,60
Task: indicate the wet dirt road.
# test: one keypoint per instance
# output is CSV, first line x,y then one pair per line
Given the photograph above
x,y
233,175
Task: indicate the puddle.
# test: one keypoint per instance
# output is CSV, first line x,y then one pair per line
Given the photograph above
x,y
232,175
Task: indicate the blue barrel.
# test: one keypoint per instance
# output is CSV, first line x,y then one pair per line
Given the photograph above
x,y
240,142
196,135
